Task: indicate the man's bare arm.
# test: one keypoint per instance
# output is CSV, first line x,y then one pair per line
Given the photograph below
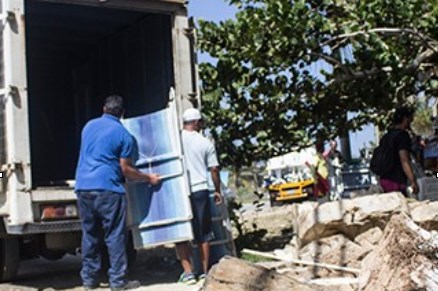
x,y
407,168
132,173
214,172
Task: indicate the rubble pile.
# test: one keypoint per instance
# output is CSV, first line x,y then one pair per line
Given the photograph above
x,y
404,259
390,240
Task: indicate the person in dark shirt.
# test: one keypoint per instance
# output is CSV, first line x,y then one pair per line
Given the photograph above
x,y
398,179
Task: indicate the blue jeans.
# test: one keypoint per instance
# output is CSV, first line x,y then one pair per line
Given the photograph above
x,y
103,211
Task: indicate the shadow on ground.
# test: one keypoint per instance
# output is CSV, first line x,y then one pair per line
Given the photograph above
x,y
154,266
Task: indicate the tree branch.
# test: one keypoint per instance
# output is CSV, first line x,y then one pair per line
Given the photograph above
x,y
332,61
412,67
385,30
427,54
359,75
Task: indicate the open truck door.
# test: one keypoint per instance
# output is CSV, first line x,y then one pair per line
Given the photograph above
x,y
15,203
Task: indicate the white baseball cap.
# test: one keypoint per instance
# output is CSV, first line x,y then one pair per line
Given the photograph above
x,y
191,114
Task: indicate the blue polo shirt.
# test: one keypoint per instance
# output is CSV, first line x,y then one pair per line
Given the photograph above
x,y
104,141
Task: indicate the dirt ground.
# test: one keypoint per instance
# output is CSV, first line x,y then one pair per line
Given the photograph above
x,y
157,271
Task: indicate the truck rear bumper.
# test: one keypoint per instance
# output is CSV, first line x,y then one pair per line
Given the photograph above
x,y
286,198
45,227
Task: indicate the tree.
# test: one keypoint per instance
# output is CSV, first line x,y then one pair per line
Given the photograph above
x,y
264,97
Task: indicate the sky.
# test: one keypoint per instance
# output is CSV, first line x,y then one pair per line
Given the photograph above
x,y
218,10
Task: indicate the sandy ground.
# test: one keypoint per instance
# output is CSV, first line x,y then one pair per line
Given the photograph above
x,y
155,272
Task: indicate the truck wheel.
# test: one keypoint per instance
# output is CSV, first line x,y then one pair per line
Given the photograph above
x,y
9,258
52,255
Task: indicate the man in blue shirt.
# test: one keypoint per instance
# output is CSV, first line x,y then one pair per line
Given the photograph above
x,y
105,159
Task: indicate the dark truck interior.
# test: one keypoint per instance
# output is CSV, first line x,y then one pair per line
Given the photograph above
x,y
76,56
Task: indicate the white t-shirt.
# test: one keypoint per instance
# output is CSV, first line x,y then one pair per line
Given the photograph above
x,y
200,155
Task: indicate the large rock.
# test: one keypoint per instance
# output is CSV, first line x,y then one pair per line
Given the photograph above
x,y
426,215
232,274
275,220
348,217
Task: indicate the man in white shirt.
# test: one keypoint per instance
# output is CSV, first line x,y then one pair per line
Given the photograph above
x,y
200,157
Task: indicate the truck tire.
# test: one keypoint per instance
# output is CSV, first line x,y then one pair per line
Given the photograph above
x,y
9,258
52,255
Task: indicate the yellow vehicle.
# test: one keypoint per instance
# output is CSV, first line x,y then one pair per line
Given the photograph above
x,y
289,177
290,191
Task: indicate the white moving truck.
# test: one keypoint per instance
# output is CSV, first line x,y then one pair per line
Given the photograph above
x,y
59,59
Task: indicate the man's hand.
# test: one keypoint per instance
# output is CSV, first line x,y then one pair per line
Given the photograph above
x,y
154,179
218,199
415,188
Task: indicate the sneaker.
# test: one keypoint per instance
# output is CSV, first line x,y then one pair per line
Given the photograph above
x,y
201,278
188,279
128,286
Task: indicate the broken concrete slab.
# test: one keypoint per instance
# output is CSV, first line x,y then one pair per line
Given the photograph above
x,y
336,250
426,215
348,217
370,238
275,220
316,249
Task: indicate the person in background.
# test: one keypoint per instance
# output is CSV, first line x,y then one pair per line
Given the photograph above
x,y
430,153
320,172
201,159
105,160
335,162
397,180
333,155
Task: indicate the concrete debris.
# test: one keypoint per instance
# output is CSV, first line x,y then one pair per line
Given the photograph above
x,y
301,262
349,217
317,249
370,238
393,240
274,220
405,259
232,274
426,215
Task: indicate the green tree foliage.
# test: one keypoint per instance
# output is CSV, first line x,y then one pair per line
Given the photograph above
x,y
264,97
422,123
